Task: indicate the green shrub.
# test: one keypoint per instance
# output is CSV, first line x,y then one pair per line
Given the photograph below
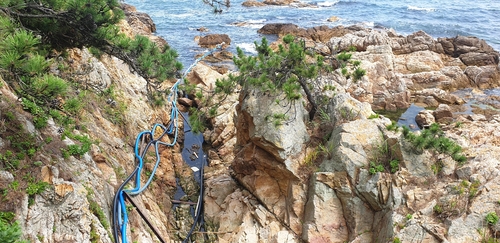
x,y
406,131
77,149
344,56
432,138
48,87
374,168
438,209
394,165
9,232
492,218
73,106
36,187
358,73
393,126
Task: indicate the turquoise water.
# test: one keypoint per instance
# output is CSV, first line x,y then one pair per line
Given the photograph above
x,y
177,20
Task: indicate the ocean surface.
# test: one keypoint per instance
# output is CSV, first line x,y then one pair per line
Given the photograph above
x,y
177,20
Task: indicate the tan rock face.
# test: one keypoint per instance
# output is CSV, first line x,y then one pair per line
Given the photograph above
x,y
319,33
399,68
140,22
267,163
324,215
210,41
204,75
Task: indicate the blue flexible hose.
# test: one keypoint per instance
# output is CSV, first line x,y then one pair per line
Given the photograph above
x,y
120,215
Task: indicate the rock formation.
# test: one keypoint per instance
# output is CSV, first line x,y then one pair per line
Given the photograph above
x,y
261,183
404,69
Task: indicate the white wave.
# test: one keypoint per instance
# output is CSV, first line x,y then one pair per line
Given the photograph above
x,y
256,21
181,16
327,4
253,23
247,47
421,9
368,24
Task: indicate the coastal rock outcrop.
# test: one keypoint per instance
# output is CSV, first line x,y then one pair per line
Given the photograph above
x,y
413,69
253,3
212,40
270,176
294,3
401,69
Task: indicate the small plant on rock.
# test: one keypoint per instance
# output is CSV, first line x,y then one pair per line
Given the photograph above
x,y
10,231
492,218
350,68
433,138
375,168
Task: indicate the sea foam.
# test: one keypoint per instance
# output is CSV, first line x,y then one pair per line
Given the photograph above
x,y
247,47
327,4
421,9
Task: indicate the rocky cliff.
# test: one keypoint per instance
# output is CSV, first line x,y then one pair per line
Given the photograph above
x,y
302,181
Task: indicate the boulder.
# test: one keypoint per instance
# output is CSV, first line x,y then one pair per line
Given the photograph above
x,y
351,144
418,41
333,19
185,102
472,51
425,118
375,189
342,107
282,138
459,45
278,29
418,62
361,39
5,179
202,29
140,22
321,33
442,112
318,33
476,117
483,77
479,59
204,75
210,41
279,2
414,230
253,3
218,56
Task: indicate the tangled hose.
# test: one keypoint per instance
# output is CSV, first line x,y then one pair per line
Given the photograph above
x,y
143,142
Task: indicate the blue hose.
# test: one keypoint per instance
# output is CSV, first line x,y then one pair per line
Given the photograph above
x,y
120,215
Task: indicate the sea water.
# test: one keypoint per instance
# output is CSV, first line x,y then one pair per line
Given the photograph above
x,y
177,20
